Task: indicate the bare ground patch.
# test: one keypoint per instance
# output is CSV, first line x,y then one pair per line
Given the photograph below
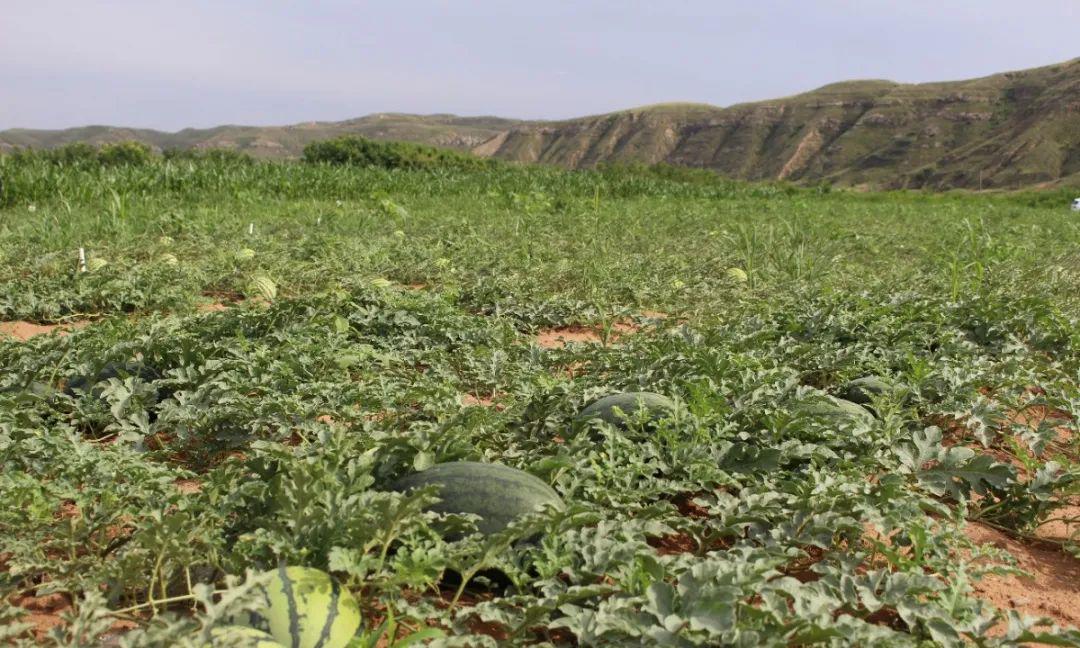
x,y
212,307
23,331
557,338
473,400
1052,590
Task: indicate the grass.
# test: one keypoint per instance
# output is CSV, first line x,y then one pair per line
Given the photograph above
x,y
153,457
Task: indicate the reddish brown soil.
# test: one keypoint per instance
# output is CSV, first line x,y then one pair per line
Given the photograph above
x,y
574,369
1052,590
1064,524
188,486
673,543
471,400
688,507
23,331
46,612
558,338
43,613
213,307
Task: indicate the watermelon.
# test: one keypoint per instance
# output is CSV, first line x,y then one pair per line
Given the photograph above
x,y
93,383
865,389
236,636
496,493
618,408
306,608
262,286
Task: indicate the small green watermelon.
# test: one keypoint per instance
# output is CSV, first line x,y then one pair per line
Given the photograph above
x,y
618,408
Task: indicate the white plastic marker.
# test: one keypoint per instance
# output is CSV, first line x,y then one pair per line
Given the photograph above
x,y
251,228
318,221
82,260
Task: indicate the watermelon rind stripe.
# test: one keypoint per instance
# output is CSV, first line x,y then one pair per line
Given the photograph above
x,y
324,636
290,597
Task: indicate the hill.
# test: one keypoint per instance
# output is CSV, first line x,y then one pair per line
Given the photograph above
x,y
1015,129
278,141
1007,130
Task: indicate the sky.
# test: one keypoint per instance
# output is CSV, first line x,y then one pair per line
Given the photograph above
x,y
198,63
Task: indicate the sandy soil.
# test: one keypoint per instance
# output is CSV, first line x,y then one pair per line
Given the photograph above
x,y
213,307
1052,591
188,486
23,331
557,338
470,400
1063,524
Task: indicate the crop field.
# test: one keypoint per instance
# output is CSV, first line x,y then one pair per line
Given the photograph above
x,y
251,355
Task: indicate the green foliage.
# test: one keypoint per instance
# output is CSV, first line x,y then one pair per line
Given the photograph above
x,y
83,155
208,155
152,459
363,152
124,153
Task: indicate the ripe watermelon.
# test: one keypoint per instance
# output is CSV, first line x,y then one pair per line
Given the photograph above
x,y
617,408
496,493
306,608
262,286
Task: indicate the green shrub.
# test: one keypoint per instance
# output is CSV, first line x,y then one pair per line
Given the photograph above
x,y
73,154
359,151
124,153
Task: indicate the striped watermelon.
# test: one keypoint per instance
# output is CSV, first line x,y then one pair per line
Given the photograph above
x,y
306,608
496,493
262,286
618,408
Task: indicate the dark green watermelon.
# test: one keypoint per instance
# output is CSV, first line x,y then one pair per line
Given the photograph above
x,y
92,383
617,408
496,493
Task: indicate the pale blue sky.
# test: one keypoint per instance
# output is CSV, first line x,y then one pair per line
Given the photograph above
x,y
171,64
